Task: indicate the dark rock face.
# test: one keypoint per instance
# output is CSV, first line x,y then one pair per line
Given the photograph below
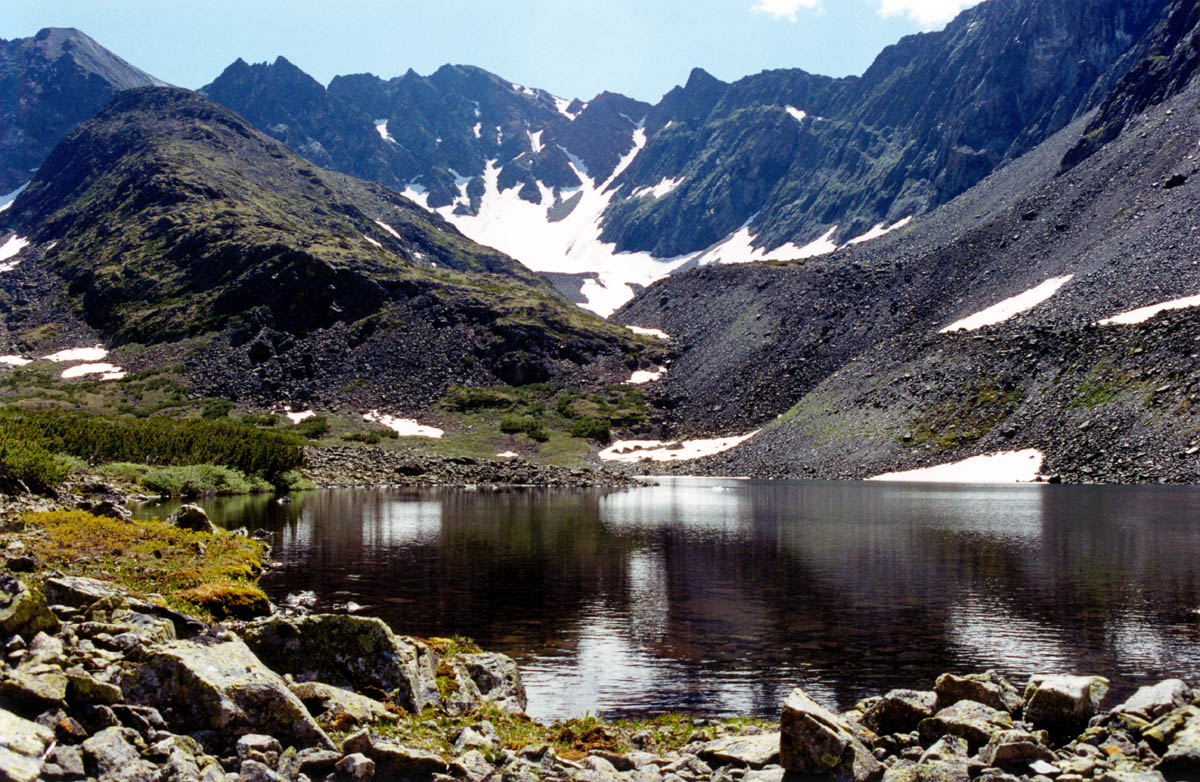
x,y
49,84
932,116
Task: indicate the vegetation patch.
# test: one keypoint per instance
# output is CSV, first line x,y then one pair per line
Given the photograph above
x,y
965,418
188,481
155,441
1100,386
212,576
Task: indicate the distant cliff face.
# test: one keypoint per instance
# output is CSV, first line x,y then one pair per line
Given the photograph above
x,y
49,84
622,192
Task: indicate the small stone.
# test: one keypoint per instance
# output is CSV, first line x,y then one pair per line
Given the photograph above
x,y
192,517
752,751
355,767
315,762
255,746
970,720
254,771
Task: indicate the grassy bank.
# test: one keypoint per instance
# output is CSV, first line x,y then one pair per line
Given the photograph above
x,y
210,576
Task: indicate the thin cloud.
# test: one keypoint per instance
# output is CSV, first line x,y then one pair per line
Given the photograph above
x,y
784,9
926,13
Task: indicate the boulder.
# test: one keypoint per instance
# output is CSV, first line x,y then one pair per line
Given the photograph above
x,y
353,652
814,741
1182,759
487,677
326,703
29,692
751,751
1013,748
1063,704
899,711
1153,701
988,688
968,720
356,767
192,517
1162,731
112,754
215,682
393,760
23,610
21,746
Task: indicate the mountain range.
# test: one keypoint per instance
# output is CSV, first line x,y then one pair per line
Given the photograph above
x,y
941,241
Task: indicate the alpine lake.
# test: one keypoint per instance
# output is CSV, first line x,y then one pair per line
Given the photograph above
x,y
718,596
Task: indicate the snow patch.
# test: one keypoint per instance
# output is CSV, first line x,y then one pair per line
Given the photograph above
x,y
642,376
405,427
382,130
387,227
7,199
507,455
1143,314
96,353
106,371
879,230
799,114
298,416
661,189
738,247
562,105
535,141
1004,467
631,451
372,241
15,361
645,332
9,249
1002,311
478,128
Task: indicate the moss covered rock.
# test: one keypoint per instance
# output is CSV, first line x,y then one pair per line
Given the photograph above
x,y
359,653
23,610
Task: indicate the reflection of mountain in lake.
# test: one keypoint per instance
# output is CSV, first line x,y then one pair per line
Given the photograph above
x,y
721,595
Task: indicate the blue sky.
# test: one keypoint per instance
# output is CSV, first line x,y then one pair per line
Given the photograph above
x,y
573,48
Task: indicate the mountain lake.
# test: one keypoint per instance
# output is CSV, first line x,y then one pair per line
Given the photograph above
x,y
717,596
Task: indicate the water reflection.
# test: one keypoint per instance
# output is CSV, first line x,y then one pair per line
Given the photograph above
x,y
719,596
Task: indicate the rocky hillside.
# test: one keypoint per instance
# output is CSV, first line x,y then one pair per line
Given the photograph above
x,y
49,84
169,223
851,351
618,193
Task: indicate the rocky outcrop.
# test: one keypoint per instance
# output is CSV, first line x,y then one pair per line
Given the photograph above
x,y
815,741
357,653
214,682
192,517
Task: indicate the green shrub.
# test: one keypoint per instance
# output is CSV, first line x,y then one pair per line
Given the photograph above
x,y
598,429
370,438
215,408
463,399
188,481
155,440
27,463
313,427
266,419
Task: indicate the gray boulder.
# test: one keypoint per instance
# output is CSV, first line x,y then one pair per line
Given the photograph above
x,y
215,682
988,688
1012,748
487,677
353,652
112,755
1153,701
899,711
328,703
968,720
192,517
22,744
1182,759
1063,704
23,610
945,761
814,741
751,751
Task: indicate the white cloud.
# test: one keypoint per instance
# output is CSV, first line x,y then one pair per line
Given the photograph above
x,y
784,9
926,13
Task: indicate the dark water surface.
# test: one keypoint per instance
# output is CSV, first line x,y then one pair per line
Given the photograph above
x,y
719,596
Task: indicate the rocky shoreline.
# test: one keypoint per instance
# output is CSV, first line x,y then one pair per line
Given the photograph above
x,y
336,466
101,682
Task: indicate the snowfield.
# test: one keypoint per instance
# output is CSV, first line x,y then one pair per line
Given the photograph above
x,y
106,371
1004,467
96,353
642,376
10,249
1010,307
15,361
1143,314
7,199
645,332
633,451
879,230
